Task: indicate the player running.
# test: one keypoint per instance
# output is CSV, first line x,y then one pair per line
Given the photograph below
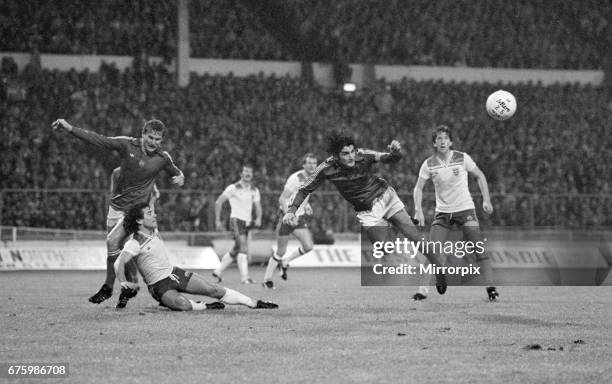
x,y
374,200
167,282
242,196
300,231
448,169
141,161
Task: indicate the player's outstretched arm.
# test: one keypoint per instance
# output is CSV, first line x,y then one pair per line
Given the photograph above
x,y
110,143
393,156
417,196
484,190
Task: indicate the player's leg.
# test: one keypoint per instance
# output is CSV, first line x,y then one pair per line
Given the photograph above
x,y
114,223
438,233
471,233
229,257
402,221
243,260
282,238
304,236
197,285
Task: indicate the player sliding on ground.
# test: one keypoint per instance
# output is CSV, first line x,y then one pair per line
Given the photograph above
x,y
374,200
141,161
300,231
448,169
167,282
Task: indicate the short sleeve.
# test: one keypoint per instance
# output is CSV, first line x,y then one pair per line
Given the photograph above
x,y
132,247
469,163
256,196
293,183
229,191
424,171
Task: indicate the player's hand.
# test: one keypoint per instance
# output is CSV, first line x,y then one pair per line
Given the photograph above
x,y
308,210
419,217
178,180
219,225
395,147
290,219
61,123
487,207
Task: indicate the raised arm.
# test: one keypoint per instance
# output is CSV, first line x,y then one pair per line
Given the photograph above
x,y
109,143
393,156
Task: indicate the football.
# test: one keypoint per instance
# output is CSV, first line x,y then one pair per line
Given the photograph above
x,y
501,105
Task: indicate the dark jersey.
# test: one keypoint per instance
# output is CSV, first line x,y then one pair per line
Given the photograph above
x,y
138,169
356,184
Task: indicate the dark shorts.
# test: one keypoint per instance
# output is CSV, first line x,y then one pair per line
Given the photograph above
x,y
238,227
286,229
447,220
177,280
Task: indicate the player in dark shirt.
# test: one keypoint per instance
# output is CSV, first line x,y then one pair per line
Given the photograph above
x,y
141,161
374,200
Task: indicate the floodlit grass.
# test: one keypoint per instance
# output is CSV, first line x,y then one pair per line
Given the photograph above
x,y
328,329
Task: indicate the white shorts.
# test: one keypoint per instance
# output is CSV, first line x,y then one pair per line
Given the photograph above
x,y
113,217
384,207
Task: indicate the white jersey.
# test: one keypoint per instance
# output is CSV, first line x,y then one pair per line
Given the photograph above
x,y
294,182
150,255
241,199
450,180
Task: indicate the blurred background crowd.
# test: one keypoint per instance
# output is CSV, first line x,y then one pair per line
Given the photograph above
x,y
547,166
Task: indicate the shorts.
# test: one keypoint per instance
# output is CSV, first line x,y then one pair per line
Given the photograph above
x,y
177,280
113,217
286,229
447,220
384,207
239,227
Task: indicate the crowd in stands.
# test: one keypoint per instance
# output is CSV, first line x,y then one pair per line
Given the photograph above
x,y
495,33
539,164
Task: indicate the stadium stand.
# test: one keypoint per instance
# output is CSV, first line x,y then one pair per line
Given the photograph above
x,y
546,167
520,34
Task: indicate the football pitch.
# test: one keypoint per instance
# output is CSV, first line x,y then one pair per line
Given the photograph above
x,y
328,329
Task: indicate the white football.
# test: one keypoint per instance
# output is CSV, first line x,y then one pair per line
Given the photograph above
x,y
501,105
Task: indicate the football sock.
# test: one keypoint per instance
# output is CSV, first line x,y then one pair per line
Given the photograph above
x,y
293,255
272,264
226,260
243,266
234,297
197,305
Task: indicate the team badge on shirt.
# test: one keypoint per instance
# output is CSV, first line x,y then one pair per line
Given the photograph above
x,y
141,163
456,171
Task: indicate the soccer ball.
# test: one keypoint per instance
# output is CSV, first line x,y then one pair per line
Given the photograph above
x,y
501,105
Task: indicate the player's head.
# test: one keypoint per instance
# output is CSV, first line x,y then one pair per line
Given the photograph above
x,y
139,216
309,162
342,148
246,172
153,132
442,138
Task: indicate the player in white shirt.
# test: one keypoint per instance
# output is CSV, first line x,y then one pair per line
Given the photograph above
x,y
242,196
300,231
166,282
448,169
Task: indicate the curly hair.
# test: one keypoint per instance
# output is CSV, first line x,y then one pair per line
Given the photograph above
x,y
154,125
130,222
338,140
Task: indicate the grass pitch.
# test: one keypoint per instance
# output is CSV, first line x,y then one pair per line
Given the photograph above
x,y
328,329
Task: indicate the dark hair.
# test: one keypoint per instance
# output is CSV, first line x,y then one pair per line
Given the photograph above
x,y
247,164
154,126
338,140
308,155
130,222
441,129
